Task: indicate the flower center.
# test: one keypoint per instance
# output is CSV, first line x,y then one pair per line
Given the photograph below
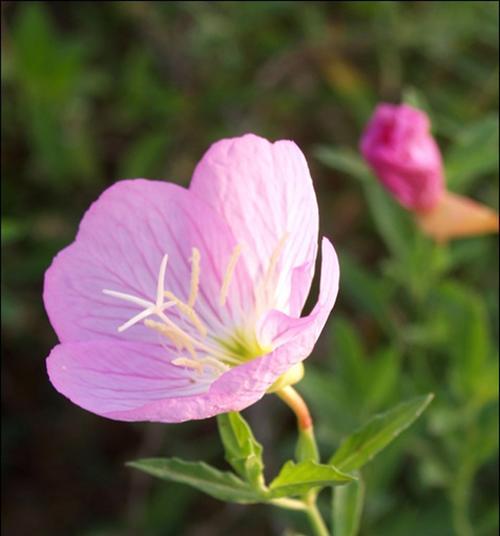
x,y
204,355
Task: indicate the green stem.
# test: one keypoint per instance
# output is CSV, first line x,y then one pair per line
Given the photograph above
x,y
296,403
316,521
289,504
306,449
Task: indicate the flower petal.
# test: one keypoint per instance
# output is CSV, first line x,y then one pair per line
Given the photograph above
x,y
105,376
264,190
121,242
279,329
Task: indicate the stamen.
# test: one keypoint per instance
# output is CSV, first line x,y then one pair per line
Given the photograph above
x,y
273,262
195,277
229,274
218,365
161,281
189,313
265,287
180,339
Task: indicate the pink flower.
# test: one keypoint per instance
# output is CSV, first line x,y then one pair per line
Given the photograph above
x,y
176,304
398,146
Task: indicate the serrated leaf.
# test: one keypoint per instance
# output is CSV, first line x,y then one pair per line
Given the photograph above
x,y
347,508
243,451
359,448
299,478
222,485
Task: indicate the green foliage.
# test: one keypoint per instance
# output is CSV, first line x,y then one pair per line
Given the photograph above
x,y
242,450
299,478
222,485
348,507
473,154
361,447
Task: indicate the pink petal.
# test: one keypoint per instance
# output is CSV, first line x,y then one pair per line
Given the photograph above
x,y
280,328
105,376
264,190
121,242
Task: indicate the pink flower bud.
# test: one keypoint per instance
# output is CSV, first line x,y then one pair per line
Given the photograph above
x,y
398,146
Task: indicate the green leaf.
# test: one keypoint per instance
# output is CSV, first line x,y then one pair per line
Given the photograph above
x,y
299,478
466,339
243,452
345,160
474,154
392,221
359,448
219,484
347,508
365,291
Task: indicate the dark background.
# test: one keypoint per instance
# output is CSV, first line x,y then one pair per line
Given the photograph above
x,y
96,92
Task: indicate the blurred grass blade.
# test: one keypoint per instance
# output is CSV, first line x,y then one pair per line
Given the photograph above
x,y
359,448
348,507
219,484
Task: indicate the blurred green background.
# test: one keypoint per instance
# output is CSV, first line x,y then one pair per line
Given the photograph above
x,y
96,92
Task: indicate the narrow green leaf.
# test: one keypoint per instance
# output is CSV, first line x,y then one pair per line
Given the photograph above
x,y
347,508
359,448
219,484
392,221
243,452
365,291
345,160
466,339
299,478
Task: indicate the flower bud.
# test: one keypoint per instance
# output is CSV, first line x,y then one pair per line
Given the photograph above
x,y
398,146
